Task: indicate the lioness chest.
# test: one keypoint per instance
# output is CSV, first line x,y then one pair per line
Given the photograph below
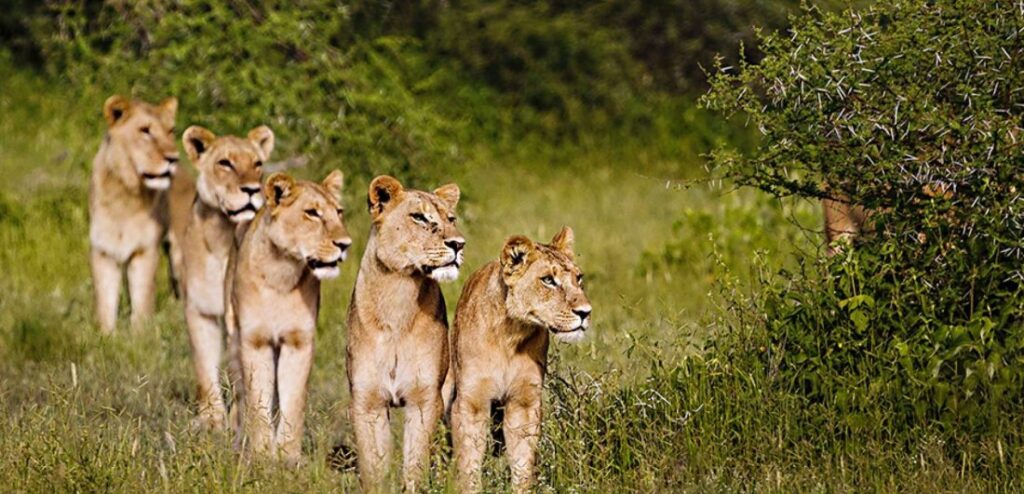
x,y
271,316
498,374
205,283
122,221
208,247
121,233
399,361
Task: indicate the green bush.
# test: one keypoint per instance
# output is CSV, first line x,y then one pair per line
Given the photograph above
x,y
292,65
921,323
559,71
396,83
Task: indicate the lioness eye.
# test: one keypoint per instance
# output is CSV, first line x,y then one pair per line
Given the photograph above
x,y
313,213
171,132
259,164
419,217
341,211
549,281
579,279
452,219
144,130
226,163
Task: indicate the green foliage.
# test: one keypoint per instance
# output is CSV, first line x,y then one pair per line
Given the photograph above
x,y
911,109
396,83
235,66
676,39
562,72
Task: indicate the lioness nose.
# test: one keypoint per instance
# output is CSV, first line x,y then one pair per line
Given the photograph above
x,y
455,244
344,244
583,312
251,189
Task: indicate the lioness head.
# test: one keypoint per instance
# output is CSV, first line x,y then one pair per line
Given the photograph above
x,y
545,286
416,232
306,221
144,134
230,169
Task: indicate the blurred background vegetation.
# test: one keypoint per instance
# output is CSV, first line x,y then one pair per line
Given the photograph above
x,y
727,354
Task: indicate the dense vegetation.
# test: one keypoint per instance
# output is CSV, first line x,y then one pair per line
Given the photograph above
x,y
921,324
727,354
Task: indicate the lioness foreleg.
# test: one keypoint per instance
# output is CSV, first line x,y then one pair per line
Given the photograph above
x,y
205,336
258,375
106,281
522,431
420,423
470,424
293,367
371,421
142,284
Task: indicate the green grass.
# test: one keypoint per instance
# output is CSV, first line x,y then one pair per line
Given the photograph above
x,y
650,401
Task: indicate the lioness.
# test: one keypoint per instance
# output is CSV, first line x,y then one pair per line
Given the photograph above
x,y
128,204
230,169
397,324
295,241
845,221
500,344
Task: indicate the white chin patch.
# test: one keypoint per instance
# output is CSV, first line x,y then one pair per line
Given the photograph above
x,y
158,183
326,273
243,216
445,274
571,336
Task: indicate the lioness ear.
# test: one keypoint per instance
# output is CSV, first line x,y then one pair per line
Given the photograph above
x,y
263,138
169,106
115,107
383,191
449,194
278,189
197,140
516,255
333,183
563,242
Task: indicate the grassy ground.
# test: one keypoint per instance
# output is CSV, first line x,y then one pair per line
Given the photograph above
x,y
89,413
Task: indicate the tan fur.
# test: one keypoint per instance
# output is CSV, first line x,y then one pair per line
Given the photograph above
x,y
181,197
229,195
845,221
128,204
296,240
500,345
397,325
